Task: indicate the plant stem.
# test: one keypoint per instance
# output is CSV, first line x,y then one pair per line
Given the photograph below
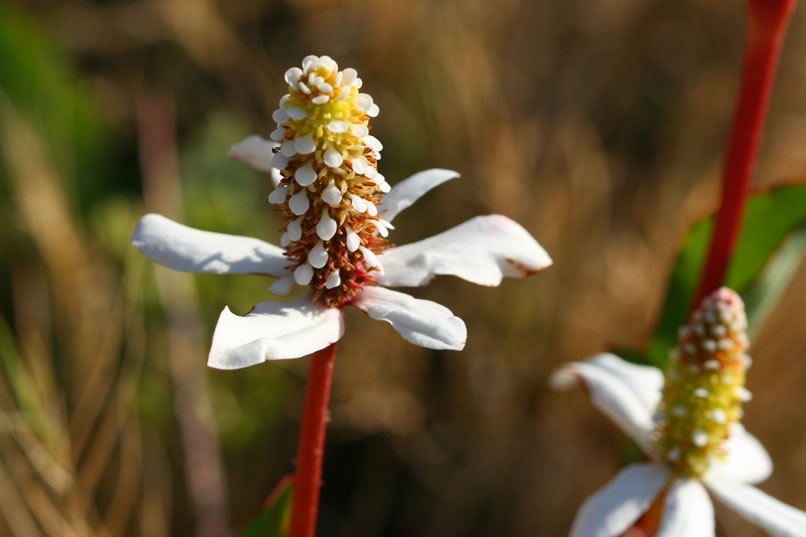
x,y
765,31
311,447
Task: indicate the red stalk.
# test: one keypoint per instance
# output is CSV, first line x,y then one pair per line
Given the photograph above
x,y
311,447
765,32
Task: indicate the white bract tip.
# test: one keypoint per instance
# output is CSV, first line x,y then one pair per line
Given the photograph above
x,y
326,227
359,130
332,195
280,116
294,229
333,158
353,240
299,203
358,203
305,175
277,134
699,438
348,75
279,161
292,76
303,274
363,101
333,280
282,286
305,145
287,149
320,99
278,195
337,126
317,257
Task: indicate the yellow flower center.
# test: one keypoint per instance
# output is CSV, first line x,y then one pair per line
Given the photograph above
x,y
704,386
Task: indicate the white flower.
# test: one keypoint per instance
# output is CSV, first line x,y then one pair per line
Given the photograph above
x,y
481,250
630,395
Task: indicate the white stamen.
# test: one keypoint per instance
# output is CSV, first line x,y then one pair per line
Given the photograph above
x,y
743,394
363,101
292,76
370,259
308,60
282,286
326,227
353,240
296,112
284,240
287,149
317,257
279,161
337,126
303,87
280,116
299,203
333,280
699,438
709,345
371,209
343,93
284,99
701,392
305,175
385,188
333,158
305,145
725,344
348,75
719,416
359,130
371,172
359,165
324,87
278,195
372,142
357,83
303,274
712,365
320,99
358,203
374,110
277,134
332,195
719,330
294,229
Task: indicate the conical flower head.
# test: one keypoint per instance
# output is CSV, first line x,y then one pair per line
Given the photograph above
x,y
704,386
329,186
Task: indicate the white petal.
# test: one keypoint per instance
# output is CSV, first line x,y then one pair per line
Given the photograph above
x,y
317,257
191,250
349,75
616,506
292,76
482,250
282,286
421,322
299,203
333,158
358,203
374,110
372,142
371,209
775,517
276,177
305,175
353,240
410,190
687,511
303,274
296,112
747,460
294,229
305,144
370,259
332,195
333,280
359,129
326,227
359,165
278,194
338,126
280,116
287,148
363,101
284,240
273,331
255,151
320,99
618,396
279,161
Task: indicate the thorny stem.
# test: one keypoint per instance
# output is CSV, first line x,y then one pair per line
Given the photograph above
x,y
311,447
765,32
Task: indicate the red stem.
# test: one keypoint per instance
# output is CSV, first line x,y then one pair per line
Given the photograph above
x,y
765,33
311,447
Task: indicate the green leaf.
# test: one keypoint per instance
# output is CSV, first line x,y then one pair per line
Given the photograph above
x,y
769,219
272,520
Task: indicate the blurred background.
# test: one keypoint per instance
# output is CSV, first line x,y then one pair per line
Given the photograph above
x,y
598,125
